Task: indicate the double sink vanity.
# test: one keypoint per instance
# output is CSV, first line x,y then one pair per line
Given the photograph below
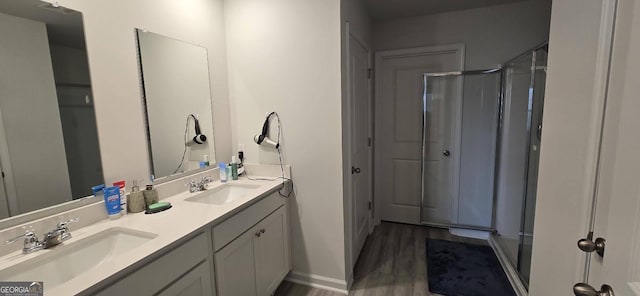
x,y
230,239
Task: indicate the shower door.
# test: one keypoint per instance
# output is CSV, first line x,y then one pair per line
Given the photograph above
x,y
459,147
535,107
440,153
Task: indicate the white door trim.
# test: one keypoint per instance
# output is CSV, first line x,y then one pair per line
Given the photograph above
x,y
458,48
347,136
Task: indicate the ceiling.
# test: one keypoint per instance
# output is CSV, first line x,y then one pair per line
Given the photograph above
x,y
385,10
64,26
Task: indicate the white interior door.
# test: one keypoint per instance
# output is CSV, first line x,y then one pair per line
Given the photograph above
x,y
398,125
617,218
360,145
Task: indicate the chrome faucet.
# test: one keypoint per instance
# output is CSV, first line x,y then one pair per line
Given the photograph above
x,y
199,186
204,183
60,234
31,242
52,238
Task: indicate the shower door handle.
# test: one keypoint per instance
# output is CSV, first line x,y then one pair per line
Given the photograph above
x,y
446,153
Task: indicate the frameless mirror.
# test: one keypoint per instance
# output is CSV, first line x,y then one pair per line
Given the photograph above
x,y
177,97
49,152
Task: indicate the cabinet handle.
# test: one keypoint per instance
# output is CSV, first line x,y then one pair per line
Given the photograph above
x,y
258,234
262,230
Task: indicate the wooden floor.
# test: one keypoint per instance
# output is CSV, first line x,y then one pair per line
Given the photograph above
x,y
392,262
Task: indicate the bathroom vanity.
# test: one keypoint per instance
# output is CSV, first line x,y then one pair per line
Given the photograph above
x,y
231,239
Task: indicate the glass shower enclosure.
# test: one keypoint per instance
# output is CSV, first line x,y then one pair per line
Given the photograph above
x,y
480,150
460,128
519,152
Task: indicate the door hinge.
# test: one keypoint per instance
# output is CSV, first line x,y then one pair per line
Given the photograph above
x,y
2,175
369,206
369,73
369,141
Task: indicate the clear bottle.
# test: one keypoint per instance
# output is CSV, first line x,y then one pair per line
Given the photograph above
x,y
234,168
223,172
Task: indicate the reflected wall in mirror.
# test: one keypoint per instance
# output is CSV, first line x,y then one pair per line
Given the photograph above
x,y
177,96
49,150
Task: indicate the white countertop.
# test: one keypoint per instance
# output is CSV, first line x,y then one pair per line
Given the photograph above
x,y
181,220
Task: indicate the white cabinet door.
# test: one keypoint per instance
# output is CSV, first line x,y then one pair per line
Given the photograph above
x,y
272,251
196,282
236,267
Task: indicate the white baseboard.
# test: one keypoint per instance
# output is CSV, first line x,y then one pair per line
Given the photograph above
x,y
318,281
477,234
512,273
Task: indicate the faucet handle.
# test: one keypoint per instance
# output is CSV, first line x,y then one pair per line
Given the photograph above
x,y
207,179
65,234
28,236
31,242
64,223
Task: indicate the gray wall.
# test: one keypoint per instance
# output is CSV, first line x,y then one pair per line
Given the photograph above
x,y
30,116
492,35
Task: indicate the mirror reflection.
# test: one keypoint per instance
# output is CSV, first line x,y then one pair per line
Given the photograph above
x,y
49,150
177,96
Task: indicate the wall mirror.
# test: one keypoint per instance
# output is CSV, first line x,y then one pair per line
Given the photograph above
x,y
177,98
49,152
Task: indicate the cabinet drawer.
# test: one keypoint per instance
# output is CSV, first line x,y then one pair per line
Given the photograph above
x,y
196,282
233,227
159,273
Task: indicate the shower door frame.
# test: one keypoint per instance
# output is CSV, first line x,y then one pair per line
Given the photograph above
x,y
457,141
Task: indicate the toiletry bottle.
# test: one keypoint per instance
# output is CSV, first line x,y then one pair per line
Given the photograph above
x,y
98,191
150,195
229,171
123,196
112,202
223,172
234,167
241,157
206,160
135,199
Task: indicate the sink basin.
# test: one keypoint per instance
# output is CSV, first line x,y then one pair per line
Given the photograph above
x,y
223,194
65,262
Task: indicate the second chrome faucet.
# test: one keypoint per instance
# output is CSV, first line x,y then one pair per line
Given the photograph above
x,y
199,186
